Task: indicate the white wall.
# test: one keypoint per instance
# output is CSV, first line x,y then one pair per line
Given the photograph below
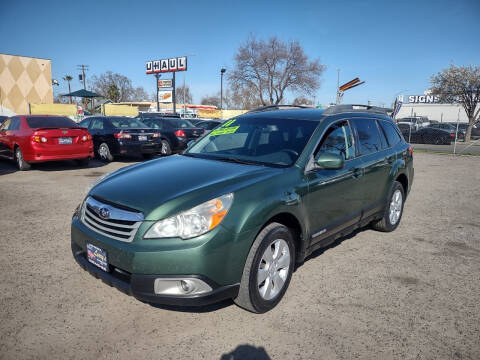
x,y
439,112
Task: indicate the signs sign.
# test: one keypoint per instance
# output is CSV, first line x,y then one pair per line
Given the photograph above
x,y
165,96
421,99
167,83
166,65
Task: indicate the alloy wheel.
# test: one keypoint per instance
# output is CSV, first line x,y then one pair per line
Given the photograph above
x,y
273,269
395,207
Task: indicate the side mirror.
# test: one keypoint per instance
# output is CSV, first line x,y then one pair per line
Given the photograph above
x,y
329,161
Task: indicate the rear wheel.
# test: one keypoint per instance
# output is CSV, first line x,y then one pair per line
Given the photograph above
x,y
21,163
393,211
104,152
166,148
268,269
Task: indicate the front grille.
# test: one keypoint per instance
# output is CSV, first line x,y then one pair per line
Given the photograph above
x,y
110,221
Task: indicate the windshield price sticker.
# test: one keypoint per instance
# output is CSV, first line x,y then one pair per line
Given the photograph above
x,y
226,128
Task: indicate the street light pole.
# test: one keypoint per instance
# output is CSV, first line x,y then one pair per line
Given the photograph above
x,y
157,76
338,86
222,71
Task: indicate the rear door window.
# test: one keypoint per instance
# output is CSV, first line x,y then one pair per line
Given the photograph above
x,y
97,124
368,136
6,125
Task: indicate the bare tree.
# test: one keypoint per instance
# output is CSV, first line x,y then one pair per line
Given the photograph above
x,y
139,94
113,85
460,84
270,68
211,100
180,93
301,100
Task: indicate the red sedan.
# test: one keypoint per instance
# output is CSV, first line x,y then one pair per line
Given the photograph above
x,y
38,138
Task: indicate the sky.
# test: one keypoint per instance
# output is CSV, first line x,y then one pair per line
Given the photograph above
x,y
394,46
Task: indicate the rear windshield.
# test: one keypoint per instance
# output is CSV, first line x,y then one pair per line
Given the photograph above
x,y
180,123
127,123
55,122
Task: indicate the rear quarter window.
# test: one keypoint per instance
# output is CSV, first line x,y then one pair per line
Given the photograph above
x,y
392,135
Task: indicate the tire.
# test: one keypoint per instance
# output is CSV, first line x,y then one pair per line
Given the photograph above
x,y
104,153
254,296
147,156
21,163
83,162
390,221
166,148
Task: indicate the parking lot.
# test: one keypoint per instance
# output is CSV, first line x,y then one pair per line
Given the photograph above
x,y
412,294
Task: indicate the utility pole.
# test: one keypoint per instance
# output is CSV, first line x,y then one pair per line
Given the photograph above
x,y
83,68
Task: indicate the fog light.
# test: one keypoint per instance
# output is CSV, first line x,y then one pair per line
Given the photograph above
x,y
179,286
187,286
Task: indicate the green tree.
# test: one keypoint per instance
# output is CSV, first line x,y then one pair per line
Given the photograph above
x,y
113,93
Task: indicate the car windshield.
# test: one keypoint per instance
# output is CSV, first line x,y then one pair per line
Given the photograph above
x,y
260,141
54,122
119,123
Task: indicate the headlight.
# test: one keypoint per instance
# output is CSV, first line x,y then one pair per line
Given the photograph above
x,y
193,222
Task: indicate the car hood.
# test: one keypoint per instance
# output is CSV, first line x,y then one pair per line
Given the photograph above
x,y
165,186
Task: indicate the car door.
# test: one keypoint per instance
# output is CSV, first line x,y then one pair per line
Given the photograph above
x,y
14,136
334,199
375,163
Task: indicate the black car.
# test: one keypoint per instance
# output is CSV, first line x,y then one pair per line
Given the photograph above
x,y
176,132
427,135
119,135
452,128
208,125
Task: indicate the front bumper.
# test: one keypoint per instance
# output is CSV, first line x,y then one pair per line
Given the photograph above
x,y
142,286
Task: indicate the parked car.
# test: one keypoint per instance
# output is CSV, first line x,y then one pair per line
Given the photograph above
x,y
176,132
2,119
428,135
451,128
121,135
232,215
31,139
208,125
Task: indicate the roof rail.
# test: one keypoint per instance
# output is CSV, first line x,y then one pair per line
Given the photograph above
x,y
338,109
277,107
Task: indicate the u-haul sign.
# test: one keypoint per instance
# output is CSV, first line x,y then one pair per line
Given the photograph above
x,y
166,65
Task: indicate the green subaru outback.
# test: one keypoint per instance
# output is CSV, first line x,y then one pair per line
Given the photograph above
x,y
234,214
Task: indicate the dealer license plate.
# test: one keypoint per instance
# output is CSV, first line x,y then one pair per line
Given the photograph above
x,y
97,256
142,138
65,140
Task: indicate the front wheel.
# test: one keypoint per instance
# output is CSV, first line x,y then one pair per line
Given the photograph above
x,y
21,163
268,269
393,211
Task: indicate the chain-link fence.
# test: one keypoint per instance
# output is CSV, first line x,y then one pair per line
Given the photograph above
x,y
445,137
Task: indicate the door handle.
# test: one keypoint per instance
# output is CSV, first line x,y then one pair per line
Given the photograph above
x,y
358,172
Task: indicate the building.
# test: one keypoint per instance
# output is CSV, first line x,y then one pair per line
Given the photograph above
x,y
429,106
24,80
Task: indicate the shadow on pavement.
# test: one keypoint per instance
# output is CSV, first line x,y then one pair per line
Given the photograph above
x,y
195,309
242,352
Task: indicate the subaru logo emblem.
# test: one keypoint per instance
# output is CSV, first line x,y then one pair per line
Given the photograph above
x,y
104,213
